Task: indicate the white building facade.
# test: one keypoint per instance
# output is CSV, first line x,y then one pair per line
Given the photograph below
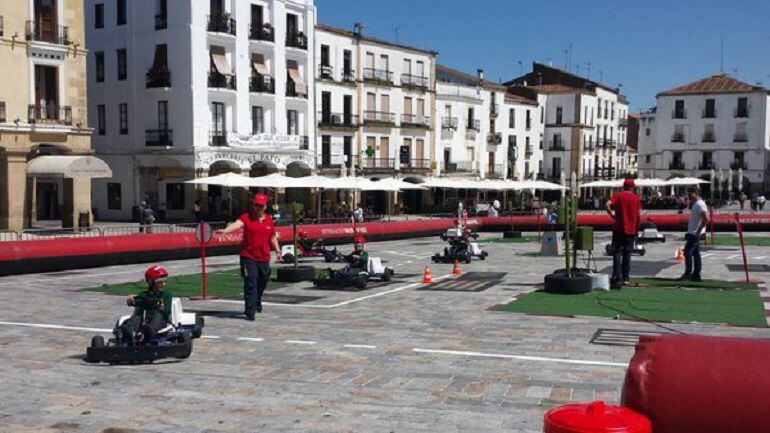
x,y
715,123
197,89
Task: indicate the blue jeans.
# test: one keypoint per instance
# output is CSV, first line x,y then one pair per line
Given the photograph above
x,y
255,277
692,262
622,245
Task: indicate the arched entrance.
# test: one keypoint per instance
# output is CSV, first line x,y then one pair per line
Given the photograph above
x,y
45,193
411,200
262,168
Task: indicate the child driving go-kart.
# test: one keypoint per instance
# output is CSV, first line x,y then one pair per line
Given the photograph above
x,y
461,246
359,258
152,307
359,270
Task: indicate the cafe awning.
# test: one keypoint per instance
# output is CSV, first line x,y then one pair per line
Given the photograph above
x,y
82,167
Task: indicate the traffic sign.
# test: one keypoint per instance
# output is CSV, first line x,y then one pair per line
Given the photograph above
x,y
203,233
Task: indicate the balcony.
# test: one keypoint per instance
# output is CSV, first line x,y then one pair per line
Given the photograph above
x,y
679,114
262,84
739,165
296,40
415,121
220,81
449,123
161,21
337,120
709,114
291,91
382,76
221,24
459,167
414,81
415,166
325,72
708,137
741,112
158,137
473,125
623,122
50,114
377,164
217,138
156,79
50,33
262,32
494,110
676,165
608,143
556,146
379,118
740,138
495,138
495,172
348,76
677,137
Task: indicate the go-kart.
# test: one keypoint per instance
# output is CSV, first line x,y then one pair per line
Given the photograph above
x,y
354,277
172,341
460,248
651,234
318,250
638,249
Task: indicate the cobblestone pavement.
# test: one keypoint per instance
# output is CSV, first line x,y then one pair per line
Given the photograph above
x,y
389,359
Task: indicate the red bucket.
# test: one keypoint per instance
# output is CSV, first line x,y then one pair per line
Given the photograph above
x,y
595,417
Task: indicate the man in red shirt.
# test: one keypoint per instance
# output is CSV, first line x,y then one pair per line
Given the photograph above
x,y
258,238
624,207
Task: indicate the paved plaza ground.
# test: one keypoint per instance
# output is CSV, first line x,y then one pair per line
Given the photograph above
x,y
392,358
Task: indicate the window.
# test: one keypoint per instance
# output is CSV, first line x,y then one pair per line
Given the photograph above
x,y
114,198
420,68
101,119
99,55
742,110
161,14
384,62
163,115
710,110
123,115
121,12
293,122
647,159
175,196
99,16
218,118
528,122
347,150
707,161
708,132
326,150
257,120
542,116
324,55
679,112
559,112
122,67
347,65
647,132
512,118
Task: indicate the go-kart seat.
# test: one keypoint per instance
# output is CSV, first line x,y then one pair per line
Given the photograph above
x,y
375,266
474,248
178,316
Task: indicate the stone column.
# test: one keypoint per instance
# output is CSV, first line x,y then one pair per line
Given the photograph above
x,y
77,199
13,188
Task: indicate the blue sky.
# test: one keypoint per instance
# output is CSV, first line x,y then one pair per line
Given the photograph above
x,y
647,46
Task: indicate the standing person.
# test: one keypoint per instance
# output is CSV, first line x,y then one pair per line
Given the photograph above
x,y
148,217
624,207
699,219
742,199
761,202
258,239
197,210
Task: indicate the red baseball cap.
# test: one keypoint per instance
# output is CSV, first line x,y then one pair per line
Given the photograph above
x,y
259,198
629,182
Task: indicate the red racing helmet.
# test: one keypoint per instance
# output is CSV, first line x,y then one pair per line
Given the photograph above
x,y
154,273
359,240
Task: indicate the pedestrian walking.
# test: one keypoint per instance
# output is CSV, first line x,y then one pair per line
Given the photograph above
x,y
148,217
754,201
258,239
197,210
761,202
699,219
742,199
624,207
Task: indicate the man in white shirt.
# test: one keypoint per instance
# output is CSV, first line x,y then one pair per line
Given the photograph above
x,y
699,219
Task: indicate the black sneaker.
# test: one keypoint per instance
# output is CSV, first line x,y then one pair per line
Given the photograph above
x,y
259,308
250,317
685,277
697,279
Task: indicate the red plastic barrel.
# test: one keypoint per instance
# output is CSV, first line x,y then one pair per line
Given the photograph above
x,y
595,417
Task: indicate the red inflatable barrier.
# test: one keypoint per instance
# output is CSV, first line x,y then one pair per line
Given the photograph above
x,y
700,384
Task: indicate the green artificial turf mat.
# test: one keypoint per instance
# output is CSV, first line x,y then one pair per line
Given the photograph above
x,y
705,284
226,283
734,241
650,303
522,239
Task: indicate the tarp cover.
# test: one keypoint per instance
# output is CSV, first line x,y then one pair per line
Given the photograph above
x,y
699,384
299,84
258,62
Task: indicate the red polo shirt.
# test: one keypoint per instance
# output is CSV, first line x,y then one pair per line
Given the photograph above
x,y
627,207
256,237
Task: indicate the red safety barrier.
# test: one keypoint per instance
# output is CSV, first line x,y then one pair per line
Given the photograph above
x,y
698,384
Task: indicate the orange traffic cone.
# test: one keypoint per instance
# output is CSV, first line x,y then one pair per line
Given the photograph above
x,y
456,270
427,278
679,256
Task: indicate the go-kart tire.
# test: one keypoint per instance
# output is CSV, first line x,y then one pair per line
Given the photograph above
x,y
288,258
387,275
468,259
560,283
295,274
97,341
436,258
199,322
510,234
186,341
361,282
328,257
483,255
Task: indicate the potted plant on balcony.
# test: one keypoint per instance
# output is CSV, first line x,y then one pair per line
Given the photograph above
x,y
296,273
